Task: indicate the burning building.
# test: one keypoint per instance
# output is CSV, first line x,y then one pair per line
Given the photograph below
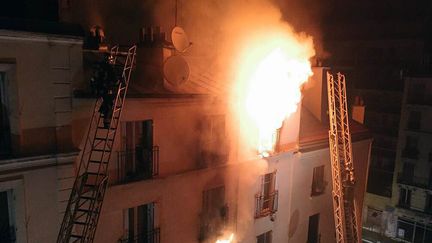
x,y
189,164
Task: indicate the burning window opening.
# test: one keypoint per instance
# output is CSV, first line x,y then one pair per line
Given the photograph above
x,y
271,77
228,239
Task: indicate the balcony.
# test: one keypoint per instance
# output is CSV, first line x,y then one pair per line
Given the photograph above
x,y
421,182
152,236
410,153
138,164
266,204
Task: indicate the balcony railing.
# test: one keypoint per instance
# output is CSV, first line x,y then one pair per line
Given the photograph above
x,y
421,182
138,164
152,236
411,153
266,204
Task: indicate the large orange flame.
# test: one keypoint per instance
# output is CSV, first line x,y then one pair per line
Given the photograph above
x,y
271,74
228,240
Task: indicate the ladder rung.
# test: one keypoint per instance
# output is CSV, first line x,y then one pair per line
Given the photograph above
x,y
88,198
114,128
78,222
108,139
102,150
97,162
95,173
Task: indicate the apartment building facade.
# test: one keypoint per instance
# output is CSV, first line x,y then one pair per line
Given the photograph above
x,y
412,185
37,69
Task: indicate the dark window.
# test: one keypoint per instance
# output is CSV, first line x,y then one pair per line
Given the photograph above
x,y
428,204
313,229
266,200
265,238
410,150
404,197
214,148
318,183
140,226
139,157
7,230
214,215
5,146
414,121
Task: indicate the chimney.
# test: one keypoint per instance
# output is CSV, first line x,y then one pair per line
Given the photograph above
x,y
315,94
358,110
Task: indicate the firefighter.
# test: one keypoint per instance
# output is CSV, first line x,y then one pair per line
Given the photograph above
x,y
104,83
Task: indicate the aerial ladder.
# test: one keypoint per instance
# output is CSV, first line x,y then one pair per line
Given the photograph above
x,y
345,215
85,202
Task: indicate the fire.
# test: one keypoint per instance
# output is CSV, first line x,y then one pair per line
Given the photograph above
x,y
271,75
229,240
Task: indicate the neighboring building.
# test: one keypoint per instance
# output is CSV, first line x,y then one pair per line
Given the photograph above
x,y
413,184
376,54
38,64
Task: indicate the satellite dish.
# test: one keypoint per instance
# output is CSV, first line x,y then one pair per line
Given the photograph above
x,y
179,39
176,71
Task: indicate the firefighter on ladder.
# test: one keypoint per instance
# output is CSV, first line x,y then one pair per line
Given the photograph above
x,y
104,83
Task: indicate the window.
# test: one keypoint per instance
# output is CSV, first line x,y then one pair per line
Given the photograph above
x,y
266,200
404,197
265,238
5,146
412,231
318,183
139,157
428,204
7,228
414,121
313,229
139,225
213,141
214,215
410,150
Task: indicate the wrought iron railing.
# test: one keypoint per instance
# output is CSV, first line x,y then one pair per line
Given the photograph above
x,y
138,164
152,236
266,204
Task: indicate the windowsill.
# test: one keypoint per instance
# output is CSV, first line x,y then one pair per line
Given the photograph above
x,y
25,163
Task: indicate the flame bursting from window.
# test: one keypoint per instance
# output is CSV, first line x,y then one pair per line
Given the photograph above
x,y
228,240
272,71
